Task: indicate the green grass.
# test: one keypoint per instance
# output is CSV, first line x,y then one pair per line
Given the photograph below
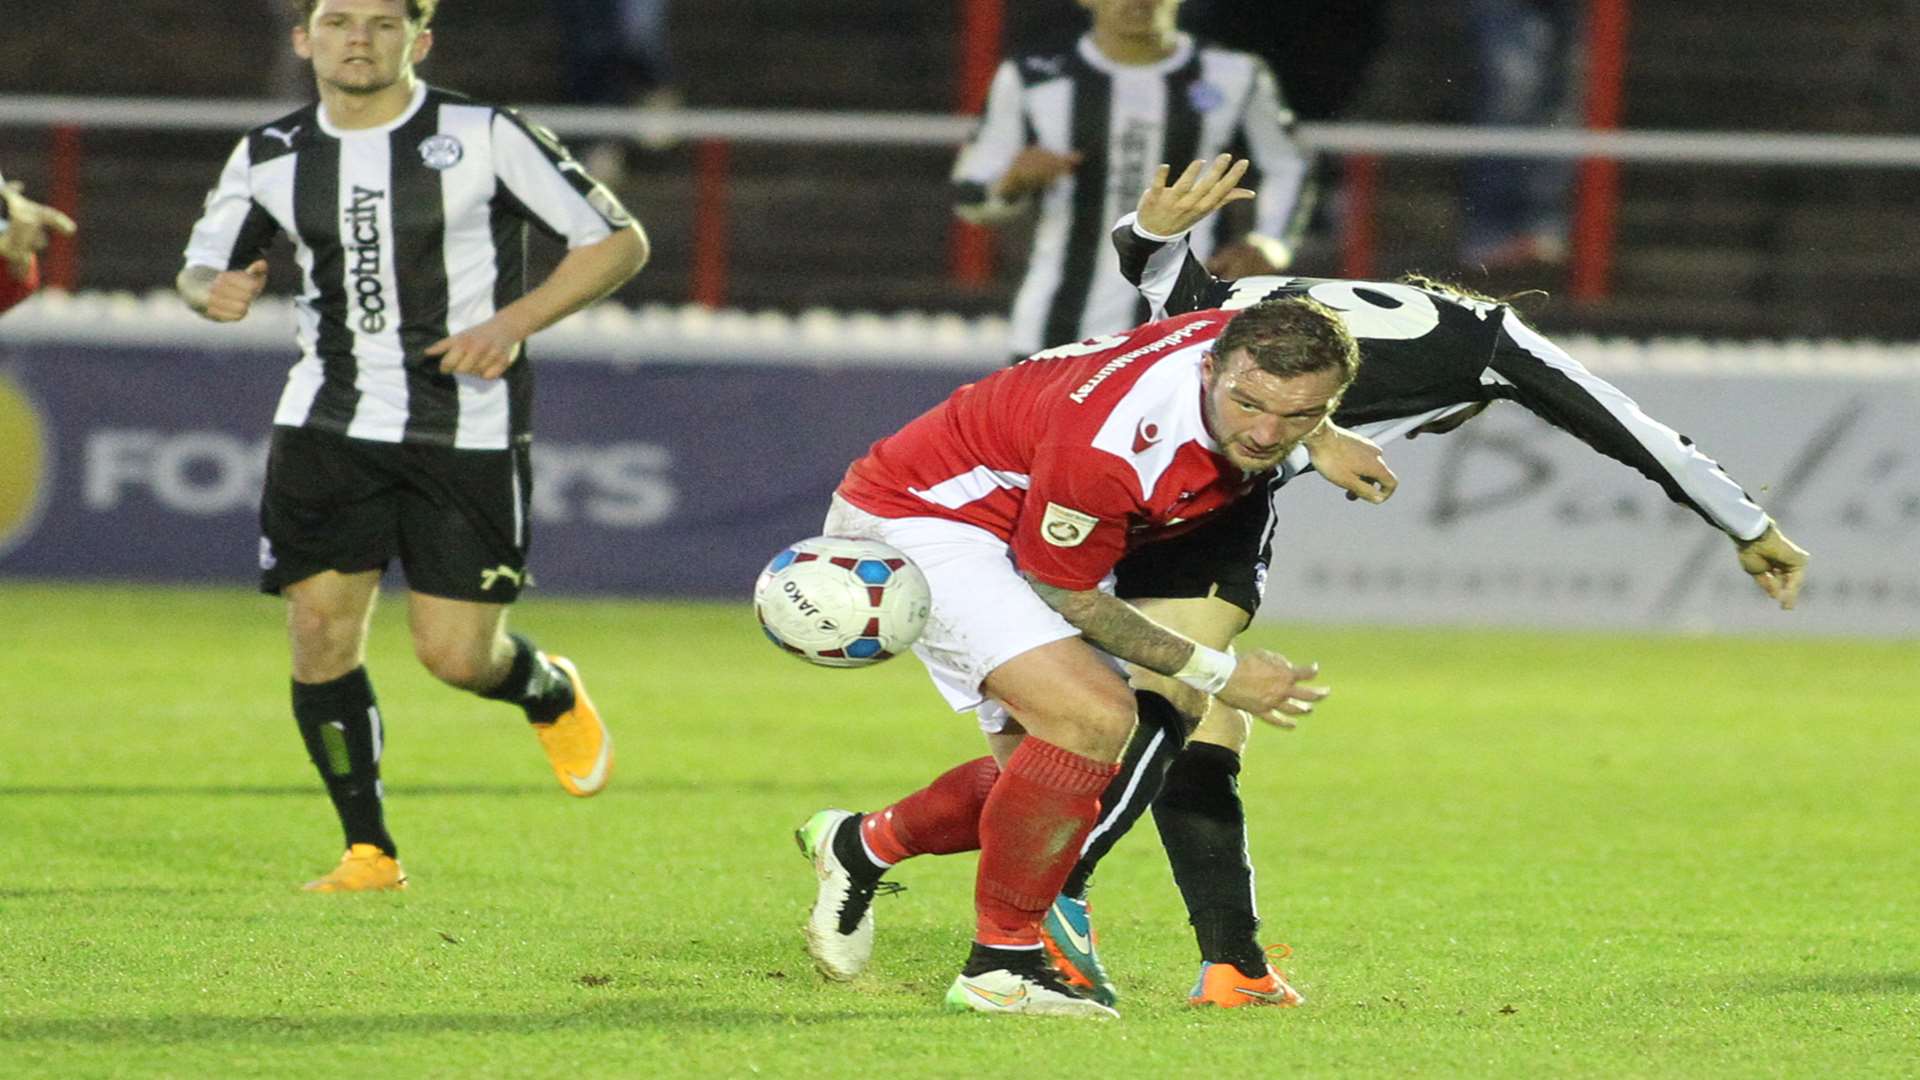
x,y
1494,854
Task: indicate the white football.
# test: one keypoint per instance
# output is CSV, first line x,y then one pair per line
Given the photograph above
x,y
840,602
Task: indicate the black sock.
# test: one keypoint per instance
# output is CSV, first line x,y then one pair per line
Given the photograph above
x,y
340,723
1156,742
534,684
985,958
1204,829
852,853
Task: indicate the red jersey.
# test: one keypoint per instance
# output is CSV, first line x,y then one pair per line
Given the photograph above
x,y
1070,460
15,289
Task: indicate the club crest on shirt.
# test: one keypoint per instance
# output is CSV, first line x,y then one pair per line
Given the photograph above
x,y
1205,97
441,151
1066,528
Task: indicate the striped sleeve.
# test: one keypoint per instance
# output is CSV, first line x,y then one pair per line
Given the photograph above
x,y
1165,272
553,190
999,138
1285,201
234,229
1561,391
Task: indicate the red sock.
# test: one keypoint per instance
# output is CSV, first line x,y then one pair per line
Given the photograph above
x,y
942,818
1031,830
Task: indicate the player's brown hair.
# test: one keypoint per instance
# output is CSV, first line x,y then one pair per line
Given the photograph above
x,y
1462,292
1294,336
419,12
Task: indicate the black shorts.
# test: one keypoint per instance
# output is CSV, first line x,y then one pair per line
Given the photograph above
x,y
456,519
1225,556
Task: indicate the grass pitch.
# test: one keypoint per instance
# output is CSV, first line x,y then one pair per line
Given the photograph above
x,y
1493,854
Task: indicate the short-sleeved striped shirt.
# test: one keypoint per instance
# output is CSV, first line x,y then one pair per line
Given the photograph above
x,y
404,234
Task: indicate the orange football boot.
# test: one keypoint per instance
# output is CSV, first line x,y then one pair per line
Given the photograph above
x,y
1223,985
364,868
577,743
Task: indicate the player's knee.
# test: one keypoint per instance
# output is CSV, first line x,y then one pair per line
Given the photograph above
x,y
456,663
1190,703
1225,726
1102,721
326,644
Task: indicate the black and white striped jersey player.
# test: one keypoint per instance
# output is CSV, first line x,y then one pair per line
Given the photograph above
x,y
404,235
1431,359
1082,131
404,429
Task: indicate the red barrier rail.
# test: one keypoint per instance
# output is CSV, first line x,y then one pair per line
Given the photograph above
x,y
1597,193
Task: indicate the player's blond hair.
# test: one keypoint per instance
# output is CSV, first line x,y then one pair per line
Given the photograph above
x,y
1293,336
419,12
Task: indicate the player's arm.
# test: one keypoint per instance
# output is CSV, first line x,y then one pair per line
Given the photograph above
x,y
1561,391
584,275
998,171
25,229
1155,254
1071,532
1286,197
1259,681
605,247
1351,462
225,270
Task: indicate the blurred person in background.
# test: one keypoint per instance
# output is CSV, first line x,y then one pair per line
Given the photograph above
x,y
615,52
1320,50
404,429
1081,131
1515,209
26,227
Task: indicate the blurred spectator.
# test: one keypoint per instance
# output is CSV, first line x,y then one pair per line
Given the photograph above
x,y
1319,49
25,228
289,78
1081,129
1516,209
615,52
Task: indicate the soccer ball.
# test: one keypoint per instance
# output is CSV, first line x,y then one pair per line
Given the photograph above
x,y
840,602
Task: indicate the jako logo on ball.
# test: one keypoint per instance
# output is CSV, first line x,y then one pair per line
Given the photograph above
x,y
23,464
840,602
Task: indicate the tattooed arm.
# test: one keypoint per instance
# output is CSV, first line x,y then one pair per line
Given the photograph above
x,y
1259,681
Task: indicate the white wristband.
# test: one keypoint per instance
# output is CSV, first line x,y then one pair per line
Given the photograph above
x,y
1207,670
1147,234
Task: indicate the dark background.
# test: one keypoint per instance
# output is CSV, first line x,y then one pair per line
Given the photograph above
x,y
1710,250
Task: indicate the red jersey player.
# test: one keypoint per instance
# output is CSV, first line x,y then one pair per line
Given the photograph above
x,y
1016,497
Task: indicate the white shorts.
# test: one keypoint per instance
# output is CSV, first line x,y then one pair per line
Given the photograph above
x,y
984,612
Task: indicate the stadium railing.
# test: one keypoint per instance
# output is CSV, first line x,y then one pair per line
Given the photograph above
x,y
714,131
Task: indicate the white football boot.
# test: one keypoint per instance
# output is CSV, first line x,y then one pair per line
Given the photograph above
x,y
839,929
1034,992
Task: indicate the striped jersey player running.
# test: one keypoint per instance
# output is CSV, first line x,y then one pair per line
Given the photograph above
x,y
404,428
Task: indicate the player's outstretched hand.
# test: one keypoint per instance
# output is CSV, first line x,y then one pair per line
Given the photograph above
x,y
485,350
1353,463
29,226
1266,685
232,293
1203,187
1777,564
